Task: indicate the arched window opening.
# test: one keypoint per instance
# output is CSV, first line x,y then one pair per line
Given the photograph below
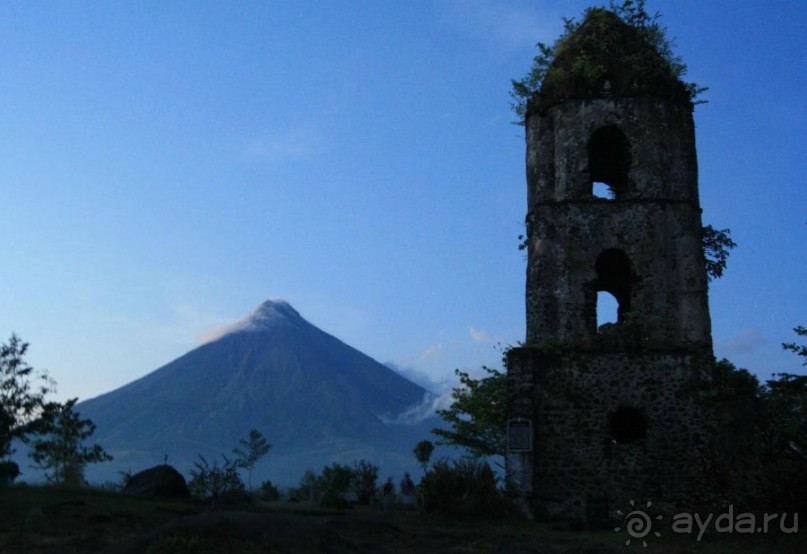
x,y
607,308
609,162
602,190
614,277
627,424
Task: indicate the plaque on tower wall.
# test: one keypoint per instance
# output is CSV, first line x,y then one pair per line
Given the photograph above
x,y
519,435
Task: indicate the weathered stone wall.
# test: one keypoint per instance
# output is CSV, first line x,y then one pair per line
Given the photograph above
x,y
662,143
587,461
617,411
655,221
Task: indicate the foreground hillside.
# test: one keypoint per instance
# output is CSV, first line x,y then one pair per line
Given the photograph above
x,y
46,520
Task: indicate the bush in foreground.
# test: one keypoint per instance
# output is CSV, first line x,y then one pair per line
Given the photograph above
x,y
464,487
213,481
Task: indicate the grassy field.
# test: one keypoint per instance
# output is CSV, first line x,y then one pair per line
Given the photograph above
x,y
49,520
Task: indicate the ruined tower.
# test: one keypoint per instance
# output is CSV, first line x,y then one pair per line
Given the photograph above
x,y
602,414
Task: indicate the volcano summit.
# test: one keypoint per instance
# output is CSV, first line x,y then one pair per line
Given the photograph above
x,y
316,399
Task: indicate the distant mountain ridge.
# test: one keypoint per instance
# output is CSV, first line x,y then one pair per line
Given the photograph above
x,y
316,399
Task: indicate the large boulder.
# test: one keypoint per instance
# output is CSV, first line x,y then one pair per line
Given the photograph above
x,y
163,481
8,472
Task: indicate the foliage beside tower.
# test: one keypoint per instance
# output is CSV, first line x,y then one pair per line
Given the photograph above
x,y
581,61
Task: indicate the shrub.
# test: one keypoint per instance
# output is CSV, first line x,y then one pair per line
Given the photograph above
x,y
308,489
363,481
464,487
212,481
334,482
267,491
331,486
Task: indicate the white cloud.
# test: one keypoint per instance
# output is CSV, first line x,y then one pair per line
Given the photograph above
x,y
440,399
748,341
415,375
430,353
479,335
417,413
482,336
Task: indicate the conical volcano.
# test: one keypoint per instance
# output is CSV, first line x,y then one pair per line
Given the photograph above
x,y
316,399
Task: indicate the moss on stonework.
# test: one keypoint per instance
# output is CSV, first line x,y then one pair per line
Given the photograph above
x,y
605,57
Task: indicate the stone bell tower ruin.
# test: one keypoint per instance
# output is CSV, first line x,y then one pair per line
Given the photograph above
x,y
600,415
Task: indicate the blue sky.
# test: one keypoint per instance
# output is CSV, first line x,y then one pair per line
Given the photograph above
x,y
168,166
